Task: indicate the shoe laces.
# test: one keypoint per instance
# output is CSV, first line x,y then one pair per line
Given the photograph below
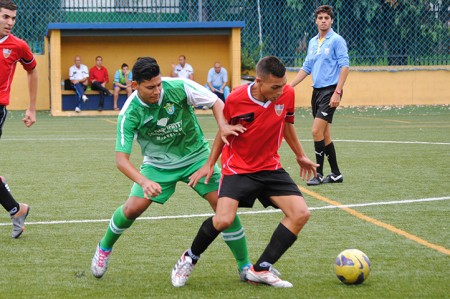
x,y
102,257
184,268
275,271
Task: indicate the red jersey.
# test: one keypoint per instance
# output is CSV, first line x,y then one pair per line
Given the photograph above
x,y
13,50
257,148
99,75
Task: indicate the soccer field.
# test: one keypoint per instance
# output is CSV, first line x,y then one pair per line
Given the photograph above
x,y
394,205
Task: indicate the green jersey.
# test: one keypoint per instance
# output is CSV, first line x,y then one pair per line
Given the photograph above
x,y
167,131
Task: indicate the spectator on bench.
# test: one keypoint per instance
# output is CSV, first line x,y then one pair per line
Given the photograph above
x,y
79,75
122,81
217,81
183,69
98,75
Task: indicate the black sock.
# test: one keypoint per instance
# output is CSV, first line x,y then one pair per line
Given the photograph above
x,y
281,240
205,236
319,147
330,152
7,200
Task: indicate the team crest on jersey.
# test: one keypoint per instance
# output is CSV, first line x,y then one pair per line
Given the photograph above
x,y
170,108
279,109
6,52
327,51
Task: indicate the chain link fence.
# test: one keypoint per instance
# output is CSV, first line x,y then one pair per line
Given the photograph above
x,y
378,32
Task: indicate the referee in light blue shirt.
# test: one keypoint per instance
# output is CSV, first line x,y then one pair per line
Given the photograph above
x,y
327,61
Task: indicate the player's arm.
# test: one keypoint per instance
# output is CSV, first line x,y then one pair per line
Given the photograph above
x,y
307,167
30,114
336,97
225,129
299,78
123,163
207,170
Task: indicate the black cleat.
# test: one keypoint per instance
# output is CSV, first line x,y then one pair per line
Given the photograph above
x,y
332,178
317,180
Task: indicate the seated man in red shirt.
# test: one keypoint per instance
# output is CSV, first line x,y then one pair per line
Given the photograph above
x,y
98,75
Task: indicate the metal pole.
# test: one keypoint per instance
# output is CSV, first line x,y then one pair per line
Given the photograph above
x,y
200,10
260,31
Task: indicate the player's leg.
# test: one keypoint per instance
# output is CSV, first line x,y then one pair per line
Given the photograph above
x,y
209,230
296,215
125,215
234,237
122,219
17,211
3,113
335,176
318,129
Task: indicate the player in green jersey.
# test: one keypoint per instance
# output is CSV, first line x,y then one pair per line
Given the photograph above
x,y
159,114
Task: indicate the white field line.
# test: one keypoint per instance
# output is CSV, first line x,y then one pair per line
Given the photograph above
x,y
267,211
45,139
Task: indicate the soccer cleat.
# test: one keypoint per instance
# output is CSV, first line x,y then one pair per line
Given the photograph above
x,y
332,178
85,98
243,272
270,278
182,270
317,180
77,109
100,261
18,221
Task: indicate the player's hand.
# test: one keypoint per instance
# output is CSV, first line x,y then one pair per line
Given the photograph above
x,y
335,100
30,118
151,189
205,171
307,168
228,130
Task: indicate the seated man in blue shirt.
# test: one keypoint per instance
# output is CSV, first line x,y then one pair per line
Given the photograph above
x,y
122,81
217,81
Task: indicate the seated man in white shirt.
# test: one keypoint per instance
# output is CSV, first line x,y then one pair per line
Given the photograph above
x,y
183,69
79,75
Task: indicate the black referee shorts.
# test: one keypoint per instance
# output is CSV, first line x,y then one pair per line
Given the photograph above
x,y
320,103
246,188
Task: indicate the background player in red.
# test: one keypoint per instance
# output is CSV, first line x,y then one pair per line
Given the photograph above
x,y
251,170
14,50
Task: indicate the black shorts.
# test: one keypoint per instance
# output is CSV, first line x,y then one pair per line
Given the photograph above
x,y
246,188
320,103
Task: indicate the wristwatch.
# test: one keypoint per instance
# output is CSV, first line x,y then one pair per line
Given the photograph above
x,y
339,92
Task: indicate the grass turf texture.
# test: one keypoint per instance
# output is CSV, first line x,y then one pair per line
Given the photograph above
x,y
64,168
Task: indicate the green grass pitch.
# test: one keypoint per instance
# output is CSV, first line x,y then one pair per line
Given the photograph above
x,y
396,167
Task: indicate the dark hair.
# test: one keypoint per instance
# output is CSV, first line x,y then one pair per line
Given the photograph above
x,y
270,65
8,4
145,68
124,65
325,9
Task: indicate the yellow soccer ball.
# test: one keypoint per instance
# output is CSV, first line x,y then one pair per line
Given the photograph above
x,y
352,266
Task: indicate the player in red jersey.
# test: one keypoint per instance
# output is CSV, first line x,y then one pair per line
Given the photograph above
x,y
14,50
251,170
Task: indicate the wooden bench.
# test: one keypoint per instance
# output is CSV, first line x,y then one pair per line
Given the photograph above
x,y
70,100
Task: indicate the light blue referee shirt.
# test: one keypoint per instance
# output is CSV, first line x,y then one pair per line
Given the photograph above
x,y
325,61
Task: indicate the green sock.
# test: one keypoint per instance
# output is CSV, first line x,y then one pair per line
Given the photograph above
x,y
118,224
234,236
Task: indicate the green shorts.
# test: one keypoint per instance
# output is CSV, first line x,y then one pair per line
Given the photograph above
x,y
168,179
